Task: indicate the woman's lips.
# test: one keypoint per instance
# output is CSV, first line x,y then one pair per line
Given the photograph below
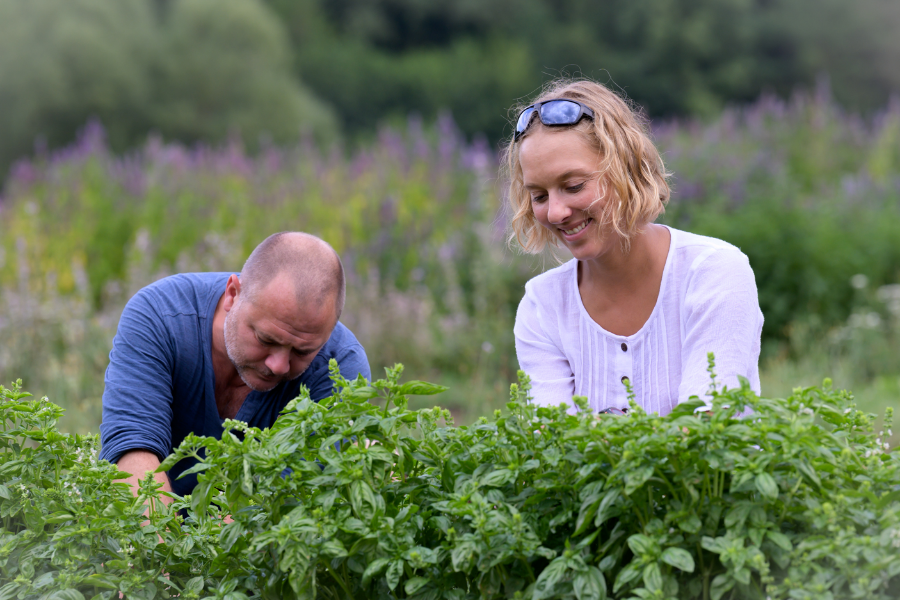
x,y
572,233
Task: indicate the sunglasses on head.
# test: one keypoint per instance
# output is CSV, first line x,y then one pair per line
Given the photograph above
x,y
553,113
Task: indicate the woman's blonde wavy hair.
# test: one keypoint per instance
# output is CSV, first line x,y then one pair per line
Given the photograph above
x,y
630,165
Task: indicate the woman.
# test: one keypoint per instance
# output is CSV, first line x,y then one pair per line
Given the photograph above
x,y
640,303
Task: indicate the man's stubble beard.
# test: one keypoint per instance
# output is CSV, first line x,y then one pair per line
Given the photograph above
x,y
234,353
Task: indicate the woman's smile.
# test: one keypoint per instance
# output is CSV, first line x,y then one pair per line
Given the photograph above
x,y
560,171
572,232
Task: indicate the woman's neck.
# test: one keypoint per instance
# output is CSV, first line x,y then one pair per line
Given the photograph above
x,y
619,289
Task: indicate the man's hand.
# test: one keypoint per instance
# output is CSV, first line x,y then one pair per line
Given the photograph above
x,y
138,462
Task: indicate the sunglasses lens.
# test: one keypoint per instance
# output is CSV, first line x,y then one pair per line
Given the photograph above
x,y
560,112
524,119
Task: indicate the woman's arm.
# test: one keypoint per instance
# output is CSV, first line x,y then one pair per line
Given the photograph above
x,y
722,316
552,379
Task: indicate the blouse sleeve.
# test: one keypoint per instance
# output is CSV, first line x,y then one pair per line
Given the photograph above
x,y
540,356
721,316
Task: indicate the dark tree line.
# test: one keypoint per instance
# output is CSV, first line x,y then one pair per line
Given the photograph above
x,y
372,58
200,70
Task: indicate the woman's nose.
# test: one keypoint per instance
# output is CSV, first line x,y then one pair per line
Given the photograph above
x,y
557,209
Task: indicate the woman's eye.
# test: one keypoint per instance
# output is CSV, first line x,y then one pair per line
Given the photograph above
x,y
575,188
538,199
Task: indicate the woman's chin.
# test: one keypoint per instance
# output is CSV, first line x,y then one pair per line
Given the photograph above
x,y
585,248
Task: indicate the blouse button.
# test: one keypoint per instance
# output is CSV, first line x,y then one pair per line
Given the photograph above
x,y
624,347
624,378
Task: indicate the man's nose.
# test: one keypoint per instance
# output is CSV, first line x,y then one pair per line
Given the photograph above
x,y
557,208
279,361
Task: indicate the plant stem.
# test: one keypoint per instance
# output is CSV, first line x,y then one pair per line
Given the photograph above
x,y
788,502
338,579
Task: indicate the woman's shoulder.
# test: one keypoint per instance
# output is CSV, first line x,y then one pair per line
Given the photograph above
x,y
553,281
701,252
708,267
550,300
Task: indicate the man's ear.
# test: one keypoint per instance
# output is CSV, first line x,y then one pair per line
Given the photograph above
x,y
232,291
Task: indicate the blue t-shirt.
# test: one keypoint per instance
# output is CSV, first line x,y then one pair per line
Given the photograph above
x,y
160,384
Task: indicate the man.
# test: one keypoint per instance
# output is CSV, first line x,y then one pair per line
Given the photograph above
x,y
195,349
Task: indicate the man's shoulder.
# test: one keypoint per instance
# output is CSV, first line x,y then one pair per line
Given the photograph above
x,y
351,357
341,340
184,293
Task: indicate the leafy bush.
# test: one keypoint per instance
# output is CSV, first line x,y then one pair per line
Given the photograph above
x,y
197,70
69,528
225,70
357,496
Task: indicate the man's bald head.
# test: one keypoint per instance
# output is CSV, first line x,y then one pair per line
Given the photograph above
x,y
309,263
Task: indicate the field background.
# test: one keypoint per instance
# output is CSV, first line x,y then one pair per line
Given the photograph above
x,y
142,138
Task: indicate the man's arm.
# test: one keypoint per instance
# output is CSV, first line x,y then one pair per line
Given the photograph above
x,y
138,462
137,399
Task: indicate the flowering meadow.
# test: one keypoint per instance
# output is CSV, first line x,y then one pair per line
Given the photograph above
x,y
807,191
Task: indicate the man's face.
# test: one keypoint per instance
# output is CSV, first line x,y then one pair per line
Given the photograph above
x,y
274,338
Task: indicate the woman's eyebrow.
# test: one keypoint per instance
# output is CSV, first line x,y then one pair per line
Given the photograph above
x,y
574,173
562,177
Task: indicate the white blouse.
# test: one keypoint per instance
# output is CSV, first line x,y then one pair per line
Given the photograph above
x,y
707,303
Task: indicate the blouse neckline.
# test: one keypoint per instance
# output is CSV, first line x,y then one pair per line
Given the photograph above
x,y
656,307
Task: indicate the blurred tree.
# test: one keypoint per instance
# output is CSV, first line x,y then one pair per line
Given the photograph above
x,y
225,68
63,61
203,69
189,69
475,79
854,43
374,58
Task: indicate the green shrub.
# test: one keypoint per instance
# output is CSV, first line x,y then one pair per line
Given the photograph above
x,y
796,499
68,528
198,70
65,61
225,70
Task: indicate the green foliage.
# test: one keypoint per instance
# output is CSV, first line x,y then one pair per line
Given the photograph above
x,y
675,57
70,530
62,62
358,496
197,70
225,70
387,502
477,79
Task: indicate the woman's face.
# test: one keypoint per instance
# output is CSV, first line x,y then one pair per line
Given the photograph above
x,y
560,172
